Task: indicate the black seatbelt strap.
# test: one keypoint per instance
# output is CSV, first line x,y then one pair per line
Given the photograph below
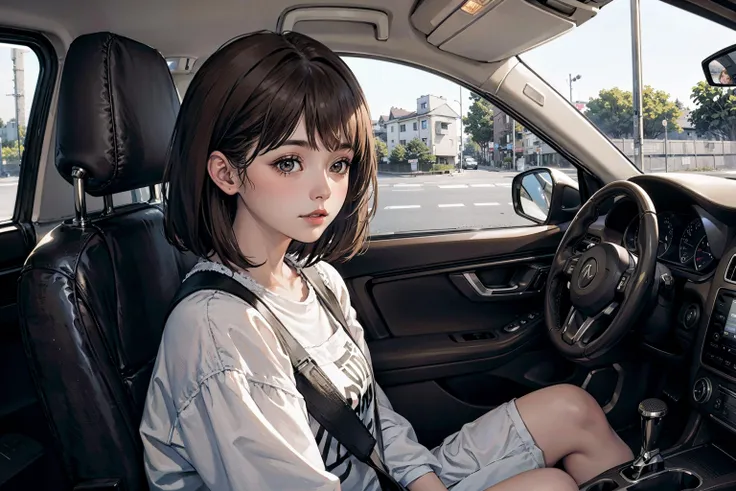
x,y
324,402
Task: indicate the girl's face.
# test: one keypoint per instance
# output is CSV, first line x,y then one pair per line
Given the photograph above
x,y
296,190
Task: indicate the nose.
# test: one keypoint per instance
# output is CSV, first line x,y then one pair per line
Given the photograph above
x,y
320,190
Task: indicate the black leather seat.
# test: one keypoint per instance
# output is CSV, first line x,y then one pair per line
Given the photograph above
x,y
94,292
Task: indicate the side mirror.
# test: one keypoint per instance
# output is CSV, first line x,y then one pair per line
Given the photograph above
x,y
720,68
545,196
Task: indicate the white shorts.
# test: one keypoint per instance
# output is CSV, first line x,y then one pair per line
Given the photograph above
x,y
489,450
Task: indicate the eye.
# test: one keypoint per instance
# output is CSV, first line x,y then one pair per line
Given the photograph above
x,y
288,165
340,167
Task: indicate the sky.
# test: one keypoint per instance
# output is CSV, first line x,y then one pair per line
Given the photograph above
x,y
674,43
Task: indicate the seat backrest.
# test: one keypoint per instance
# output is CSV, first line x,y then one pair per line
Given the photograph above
x,y
94,292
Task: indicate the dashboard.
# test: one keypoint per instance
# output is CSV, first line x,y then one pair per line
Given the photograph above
x,y
693,229
696,216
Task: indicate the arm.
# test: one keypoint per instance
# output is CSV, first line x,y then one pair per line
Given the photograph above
x,y
411,463
241,436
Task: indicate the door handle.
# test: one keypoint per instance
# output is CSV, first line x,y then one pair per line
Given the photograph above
x,y
485,291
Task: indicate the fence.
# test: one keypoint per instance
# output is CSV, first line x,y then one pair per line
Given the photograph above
x,y
682,155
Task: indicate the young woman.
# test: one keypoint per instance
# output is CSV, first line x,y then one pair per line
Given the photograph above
x,y
272,169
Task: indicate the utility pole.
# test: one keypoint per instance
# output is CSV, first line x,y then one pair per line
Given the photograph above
x,y
513,144
462,135
570,80
18,92
636,68
664,123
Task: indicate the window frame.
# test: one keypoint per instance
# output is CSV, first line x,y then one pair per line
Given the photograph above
x,y
48,66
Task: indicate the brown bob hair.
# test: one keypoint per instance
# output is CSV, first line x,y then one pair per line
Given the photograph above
x,y
246,100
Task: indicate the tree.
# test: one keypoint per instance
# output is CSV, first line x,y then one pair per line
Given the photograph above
x,y
613,112
398,154
479,121
416,149
471,148
657,107
715,113
381,149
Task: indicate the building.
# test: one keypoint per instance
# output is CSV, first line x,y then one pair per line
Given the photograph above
x,y
9,132
379,128
434,122
504,139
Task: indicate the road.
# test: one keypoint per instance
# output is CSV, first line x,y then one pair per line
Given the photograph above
x,y
471,199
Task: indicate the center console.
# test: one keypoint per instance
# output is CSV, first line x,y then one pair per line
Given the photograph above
x,y
714,388
707,467
701,468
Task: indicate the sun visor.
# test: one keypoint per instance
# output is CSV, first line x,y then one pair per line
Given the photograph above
x,y
494,30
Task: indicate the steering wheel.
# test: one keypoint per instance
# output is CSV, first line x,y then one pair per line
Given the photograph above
x,y
608,285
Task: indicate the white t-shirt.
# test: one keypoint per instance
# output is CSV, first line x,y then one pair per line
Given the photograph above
x,y
222,410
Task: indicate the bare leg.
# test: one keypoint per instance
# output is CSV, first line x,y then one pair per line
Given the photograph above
x,y
569,425
537,480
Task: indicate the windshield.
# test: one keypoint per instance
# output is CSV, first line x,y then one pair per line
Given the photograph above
x,y
688,125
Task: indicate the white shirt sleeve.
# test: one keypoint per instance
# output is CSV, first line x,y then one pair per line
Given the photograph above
x,y
405,457
236,420
243,437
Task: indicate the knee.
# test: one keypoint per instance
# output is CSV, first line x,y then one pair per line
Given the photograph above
x,y
555,480
579,407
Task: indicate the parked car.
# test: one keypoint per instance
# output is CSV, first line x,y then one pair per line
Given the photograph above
x,y
470,163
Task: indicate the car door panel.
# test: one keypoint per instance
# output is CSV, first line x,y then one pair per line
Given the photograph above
x,y
438,341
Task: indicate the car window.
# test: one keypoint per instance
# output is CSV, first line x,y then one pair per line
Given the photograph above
x,y
18,79
687,124
438,172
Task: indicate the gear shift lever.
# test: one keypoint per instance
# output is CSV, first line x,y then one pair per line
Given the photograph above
x,y
652,412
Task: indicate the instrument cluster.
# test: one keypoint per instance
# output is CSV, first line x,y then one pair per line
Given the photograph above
x,y
682,240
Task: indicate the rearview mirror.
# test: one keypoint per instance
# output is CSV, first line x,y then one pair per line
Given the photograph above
x,y
720,68
545,195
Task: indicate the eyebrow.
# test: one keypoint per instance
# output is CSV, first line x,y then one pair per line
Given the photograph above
x,y
305,144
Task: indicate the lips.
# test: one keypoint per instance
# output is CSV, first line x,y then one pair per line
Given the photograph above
x,y
316,214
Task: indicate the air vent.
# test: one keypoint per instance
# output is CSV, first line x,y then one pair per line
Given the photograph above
x,y
730,275
587,242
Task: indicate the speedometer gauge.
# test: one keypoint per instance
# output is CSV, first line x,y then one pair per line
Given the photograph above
x,y
691,237
703,255
666,234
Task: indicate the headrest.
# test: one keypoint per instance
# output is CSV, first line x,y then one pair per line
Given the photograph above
x,y
117,109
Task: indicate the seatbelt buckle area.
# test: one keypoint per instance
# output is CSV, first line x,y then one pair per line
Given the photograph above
x,y
302,364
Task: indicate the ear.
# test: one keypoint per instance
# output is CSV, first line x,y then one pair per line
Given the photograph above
x,y
223,174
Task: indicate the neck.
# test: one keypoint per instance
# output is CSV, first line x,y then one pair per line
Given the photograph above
x,y
263,245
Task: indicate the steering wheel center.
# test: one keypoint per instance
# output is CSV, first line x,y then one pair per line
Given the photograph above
x,y
597,276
